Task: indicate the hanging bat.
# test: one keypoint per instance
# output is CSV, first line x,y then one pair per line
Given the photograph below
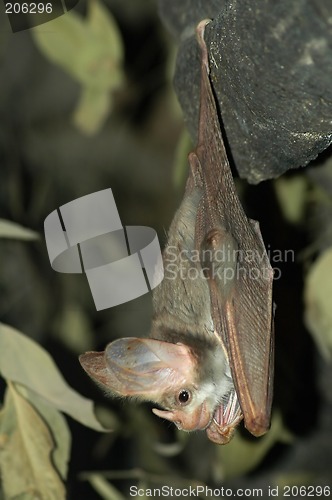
x,y
209,361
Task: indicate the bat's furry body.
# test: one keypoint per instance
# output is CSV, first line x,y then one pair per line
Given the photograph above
x,y
209,361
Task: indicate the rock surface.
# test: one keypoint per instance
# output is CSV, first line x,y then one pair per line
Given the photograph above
x,y
271,68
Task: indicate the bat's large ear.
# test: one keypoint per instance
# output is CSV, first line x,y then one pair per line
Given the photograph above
x,y
140,367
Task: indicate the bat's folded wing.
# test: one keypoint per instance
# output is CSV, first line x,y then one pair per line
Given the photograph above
x,y
242,314
236,264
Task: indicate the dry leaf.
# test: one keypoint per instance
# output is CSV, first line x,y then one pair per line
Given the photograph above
x,y
58,428
25,454
22,360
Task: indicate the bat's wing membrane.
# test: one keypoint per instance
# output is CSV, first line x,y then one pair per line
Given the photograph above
x,y
241,282
247,322
241,309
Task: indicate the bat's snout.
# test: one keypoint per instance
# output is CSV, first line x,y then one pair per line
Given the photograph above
x,y
197,419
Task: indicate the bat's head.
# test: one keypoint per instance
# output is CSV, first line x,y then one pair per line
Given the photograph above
x,y
172,376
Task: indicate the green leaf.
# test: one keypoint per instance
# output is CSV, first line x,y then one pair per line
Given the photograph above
x,y
105,489
12,230
92,110
25,454
58,428
22,360
180,166
73,319
105,29
100,64
242,455
62,40
318,303
91,51
300,478
292,195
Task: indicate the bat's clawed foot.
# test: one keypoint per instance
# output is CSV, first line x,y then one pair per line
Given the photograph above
x,y
222,434
225,420
200,29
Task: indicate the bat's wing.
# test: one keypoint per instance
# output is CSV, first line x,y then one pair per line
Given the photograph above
x,y
241,308
235,262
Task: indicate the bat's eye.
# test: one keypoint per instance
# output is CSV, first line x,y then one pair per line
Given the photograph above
x,y
184,397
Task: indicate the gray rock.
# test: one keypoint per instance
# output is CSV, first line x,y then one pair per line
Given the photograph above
x,y
271,69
